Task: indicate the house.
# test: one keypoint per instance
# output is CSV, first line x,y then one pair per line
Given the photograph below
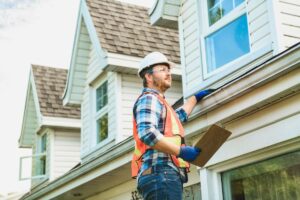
x,y
111,39
50,129
250,52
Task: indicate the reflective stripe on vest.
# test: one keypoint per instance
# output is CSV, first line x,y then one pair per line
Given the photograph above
x,y
173,132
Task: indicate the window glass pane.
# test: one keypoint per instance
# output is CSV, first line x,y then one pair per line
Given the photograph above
x,y
277,179
227,6
43,143
219,52
101,96
220,8
238,2
192,192
102,128
214,15
212,3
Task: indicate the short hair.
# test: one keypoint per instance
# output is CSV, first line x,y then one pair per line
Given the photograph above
x,y
143,73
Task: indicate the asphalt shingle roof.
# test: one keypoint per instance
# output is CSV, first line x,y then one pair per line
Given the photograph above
x,y
125,29
50,84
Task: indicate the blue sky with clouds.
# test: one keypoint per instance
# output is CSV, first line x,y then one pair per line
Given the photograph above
x,y
31,32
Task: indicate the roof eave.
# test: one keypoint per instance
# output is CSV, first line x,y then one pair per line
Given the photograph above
x,y
165,14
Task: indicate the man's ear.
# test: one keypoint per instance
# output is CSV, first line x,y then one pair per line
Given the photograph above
x,y
148,77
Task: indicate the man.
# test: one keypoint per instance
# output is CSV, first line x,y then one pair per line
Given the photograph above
x,y
160,159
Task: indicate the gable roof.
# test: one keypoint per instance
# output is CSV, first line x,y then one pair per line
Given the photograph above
x,y
125,29
50,84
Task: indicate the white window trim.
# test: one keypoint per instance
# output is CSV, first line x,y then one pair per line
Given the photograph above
x,y
98,114
211,184
207,30
21,166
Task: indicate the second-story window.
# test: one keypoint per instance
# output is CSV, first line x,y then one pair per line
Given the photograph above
x,y
101,112
226,37
41,158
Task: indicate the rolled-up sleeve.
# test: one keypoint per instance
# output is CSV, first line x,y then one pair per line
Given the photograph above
x,y
148,113
183,117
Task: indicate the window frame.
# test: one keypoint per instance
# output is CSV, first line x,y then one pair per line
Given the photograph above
x,y
208,30
35,158
96,115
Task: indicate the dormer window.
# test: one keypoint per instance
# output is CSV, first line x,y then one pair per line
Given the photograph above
x,y
101,112
227,36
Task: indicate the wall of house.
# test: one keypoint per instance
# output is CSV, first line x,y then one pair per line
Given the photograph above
x,y
289,19
31,124
81,61
65,152
131,87
268,130
191,28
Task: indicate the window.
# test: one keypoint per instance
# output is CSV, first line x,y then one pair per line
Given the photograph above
x,y
41,160
277,178
226,37
34,166
101,113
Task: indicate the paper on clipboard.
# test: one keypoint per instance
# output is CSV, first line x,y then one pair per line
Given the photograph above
x,y
209,143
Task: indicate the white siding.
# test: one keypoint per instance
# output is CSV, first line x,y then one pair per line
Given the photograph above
x,y
259,25
131,88
81,62
290,21
66,152
31,124
190,38
191,30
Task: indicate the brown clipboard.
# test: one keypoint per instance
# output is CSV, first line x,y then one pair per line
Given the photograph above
x,y
209,143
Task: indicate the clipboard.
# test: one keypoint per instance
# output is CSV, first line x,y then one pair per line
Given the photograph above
x,y
209,143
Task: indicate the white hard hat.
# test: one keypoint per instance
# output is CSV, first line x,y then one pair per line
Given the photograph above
x,y
154,58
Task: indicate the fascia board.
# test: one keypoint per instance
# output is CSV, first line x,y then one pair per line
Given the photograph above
x,y
31,89
91,30
60,122
68,88
158,17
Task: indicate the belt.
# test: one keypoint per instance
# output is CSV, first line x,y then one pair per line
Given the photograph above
x,y
156,168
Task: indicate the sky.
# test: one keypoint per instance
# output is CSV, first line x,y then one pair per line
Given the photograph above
x,y
31,32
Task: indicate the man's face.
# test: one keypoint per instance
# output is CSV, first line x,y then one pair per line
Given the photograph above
x,y
162,78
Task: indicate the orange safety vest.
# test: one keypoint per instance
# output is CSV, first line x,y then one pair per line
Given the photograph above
x,y
173,131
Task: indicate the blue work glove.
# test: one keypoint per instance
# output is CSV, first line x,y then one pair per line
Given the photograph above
x,y
189,153
203,93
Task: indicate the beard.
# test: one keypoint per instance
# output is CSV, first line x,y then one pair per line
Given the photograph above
x,y
164,84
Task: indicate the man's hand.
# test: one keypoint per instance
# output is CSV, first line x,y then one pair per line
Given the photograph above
x,y
203,93
189,153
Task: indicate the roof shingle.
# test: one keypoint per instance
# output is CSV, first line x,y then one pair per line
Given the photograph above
x,y
125,29
50,84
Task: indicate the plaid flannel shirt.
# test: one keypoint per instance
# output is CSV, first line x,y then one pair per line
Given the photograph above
x,y
150,115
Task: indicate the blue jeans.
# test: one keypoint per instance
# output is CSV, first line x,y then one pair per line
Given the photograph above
x,y
163,183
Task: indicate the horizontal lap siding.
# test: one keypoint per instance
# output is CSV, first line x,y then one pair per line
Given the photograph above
x,y
259,25
131,89
190,38
66,152
290,22
31,124
85,117
81,61
112,112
